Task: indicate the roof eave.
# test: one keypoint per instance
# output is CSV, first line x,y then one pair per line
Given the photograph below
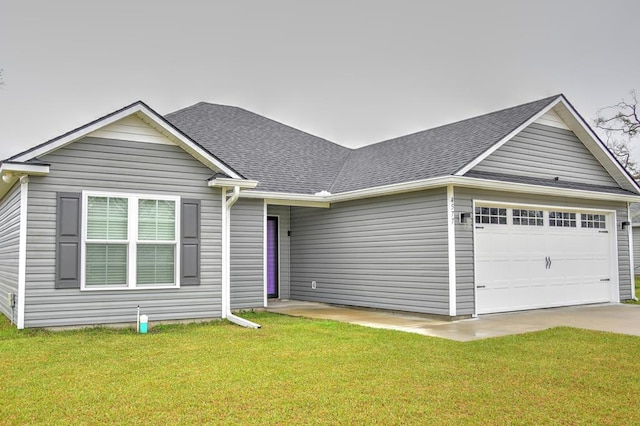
x,y
460,181
582,130
12,171
139,107
508,137
230,183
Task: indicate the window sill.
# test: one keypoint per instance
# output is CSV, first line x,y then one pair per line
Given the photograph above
x,y
158,287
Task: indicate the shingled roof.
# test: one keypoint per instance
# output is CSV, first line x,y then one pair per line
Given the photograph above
x,y
281,158
284,159
441,151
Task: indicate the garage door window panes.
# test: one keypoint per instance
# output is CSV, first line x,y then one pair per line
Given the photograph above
x,y
593,221
491,215
528,217
562,219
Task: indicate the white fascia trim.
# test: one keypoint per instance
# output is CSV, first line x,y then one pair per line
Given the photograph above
x,y
10,167
134,109
504,140
230,183
289,199
470,182
22,251
451,242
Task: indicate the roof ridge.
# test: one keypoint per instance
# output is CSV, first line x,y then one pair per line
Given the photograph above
x,y
261,116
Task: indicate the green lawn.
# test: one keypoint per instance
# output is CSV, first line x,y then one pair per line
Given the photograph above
x,y
298,371
636,302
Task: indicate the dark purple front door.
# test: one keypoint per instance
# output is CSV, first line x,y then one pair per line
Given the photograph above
x,y
272,256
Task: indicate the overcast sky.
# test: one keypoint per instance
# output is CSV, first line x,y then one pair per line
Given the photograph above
x,y
354,72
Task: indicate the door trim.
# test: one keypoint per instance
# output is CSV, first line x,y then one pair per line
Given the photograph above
x,y
266,256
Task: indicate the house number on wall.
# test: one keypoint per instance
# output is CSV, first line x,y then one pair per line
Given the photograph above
x,y
453,214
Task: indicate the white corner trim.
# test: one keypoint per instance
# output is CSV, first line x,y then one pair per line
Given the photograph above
x,y
22,251
264,253
504,140
631,262
225,254
615,262
473,231
451,242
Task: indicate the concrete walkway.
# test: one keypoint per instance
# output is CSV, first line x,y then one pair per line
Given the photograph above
x,y
616,318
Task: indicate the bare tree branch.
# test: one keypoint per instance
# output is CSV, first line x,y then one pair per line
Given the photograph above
x,y
621,124
621,117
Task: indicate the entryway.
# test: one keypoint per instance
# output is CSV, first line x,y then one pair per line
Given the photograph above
x,y
273,261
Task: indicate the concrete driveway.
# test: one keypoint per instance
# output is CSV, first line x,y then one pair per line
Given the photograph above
x,y
615,318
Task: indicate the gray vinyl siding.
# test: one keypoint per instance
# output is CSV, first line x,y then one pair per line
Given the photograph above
x,y
130,167
9,248
284,254
464,237
387,252
247,260
547,152
636,250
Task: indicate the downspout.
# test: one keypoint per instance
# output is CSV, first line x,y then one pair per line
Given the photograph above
x,y
227,203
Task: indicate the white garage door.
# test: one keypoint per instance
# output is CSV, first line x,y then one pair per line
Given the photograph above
x,y
528,258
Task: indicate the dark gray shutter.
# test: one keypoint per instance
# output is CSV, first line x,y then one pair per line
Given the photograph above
x,y
190,243
68,218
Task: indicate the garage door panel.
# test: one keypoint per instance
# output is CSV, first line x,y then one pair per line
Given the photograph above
x,y
527,267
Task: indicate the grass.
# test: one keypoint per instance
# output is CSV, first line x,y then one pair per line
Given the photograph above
x,y
299,371
636,302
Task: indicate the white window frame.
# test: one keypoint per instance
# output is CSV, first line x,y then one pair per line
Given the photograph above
x,y
132,241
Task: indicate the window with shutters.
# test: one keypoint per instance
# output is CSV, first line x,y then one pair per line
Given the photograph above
x,y
130,241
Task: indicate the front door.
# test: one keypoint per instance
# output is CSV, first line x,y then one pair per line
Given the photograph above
x,y
272,256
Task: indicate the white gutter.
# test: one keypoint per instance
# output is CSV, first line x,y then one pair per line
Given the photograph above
x,y
226,259
461,181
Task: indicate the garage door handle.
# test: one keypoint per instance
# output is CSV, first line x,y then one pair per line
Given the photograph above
x,y
605,279
481,286
547,262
